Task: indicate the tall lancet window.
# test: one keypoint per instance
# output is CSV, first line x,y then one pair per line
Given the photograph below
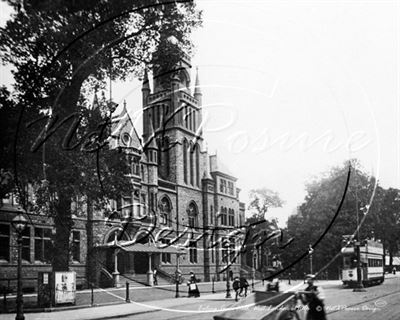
x,y
185,160
193,215
197,165
191,154
166,155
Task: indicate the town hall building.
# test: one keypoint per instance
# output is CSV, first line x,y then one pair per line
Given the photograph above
x,y
180,216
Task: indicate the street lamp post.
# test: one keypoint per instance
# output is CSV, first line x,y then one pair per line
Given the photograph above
x,y
359,285
228,288
177,277
253,269
19,223
310,252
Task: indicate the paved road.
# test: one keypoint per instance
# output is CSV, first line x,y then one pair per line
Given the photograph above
x,y
380,302
201,308
377,303
191,308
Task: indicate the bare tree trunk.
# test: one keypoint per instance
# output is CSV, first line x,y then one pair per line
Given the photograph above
x,y
63,225
62,175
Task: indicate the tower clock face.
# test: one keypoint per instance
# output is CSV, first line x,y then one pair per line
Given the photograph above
x,y
126,138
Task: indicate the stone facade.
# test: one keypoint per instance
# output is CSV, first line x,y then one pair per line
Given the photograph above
x,y
177,184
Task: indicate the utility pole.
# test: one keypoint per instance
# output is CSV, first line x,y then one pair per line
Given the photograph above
x,y
310,253
359,286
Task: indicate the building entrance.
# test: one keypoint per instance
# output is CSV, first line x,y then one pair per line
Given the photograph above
x,y
141,262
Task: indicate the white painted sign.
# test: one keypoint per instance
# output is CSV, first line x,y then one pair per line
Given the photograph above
x,y
65,287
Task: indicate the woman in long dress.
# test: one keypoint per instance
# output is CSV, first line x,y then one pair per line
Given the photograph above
x,y
193,288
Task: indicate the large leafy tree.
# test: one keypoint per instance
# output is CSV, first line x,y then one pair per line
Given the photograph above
x,y
319,209
60,51
262,233
387,222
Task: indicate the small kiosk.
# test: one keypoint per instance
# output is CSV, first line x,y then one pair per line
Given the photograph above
x,y
55,288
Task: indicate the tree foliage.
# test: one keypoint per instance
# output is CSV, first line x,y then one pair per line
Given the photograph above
x,y
314,215
263,233
261,200
387,222
55,141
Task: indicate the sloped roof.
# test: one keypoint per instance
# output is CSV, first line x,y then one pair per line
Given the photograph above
x,y
121,126
152,248
143,247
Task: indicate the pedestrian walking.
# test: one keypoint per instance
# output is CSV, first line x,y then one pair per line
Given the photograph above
x,y
243,286
313,297
193,290
155,275
236,287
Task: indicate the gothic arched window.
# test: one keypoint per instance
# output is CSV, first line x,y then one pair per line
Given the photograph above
x,y
186,117
192,215
165,211
197,165
185,160
191,154
163,157
166,155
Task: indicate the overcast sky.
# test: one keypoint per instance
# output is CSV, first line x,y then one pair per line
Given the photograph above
x,y
292,88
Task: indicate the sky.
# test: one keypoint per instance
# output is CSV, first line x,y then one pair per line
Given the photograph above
x,y
292,88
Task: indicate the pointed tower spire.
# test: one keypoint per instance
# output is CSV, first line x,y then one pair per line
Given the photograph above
x,y
145,84
197,90
145,93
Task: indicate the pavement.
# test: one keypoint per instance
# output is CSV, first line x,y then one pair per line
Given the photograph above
x,y
99,297
125,309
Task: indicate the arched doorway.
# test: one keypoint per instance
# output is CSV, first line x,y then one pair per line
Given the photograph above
x,y
124,261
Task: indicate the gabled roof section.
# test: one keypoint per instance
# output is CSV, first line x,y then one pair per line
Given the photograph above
x,y
123,133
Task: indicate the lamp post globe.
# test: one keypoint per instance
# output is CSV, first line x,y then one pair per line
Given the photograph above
x,y
19,222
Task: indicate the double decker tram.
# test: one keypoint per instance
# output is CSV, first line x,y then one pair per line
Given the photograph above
x,y
371,258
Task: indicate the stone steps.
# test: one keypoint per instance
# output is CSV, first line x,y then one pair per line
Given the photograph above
x,y
140,280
